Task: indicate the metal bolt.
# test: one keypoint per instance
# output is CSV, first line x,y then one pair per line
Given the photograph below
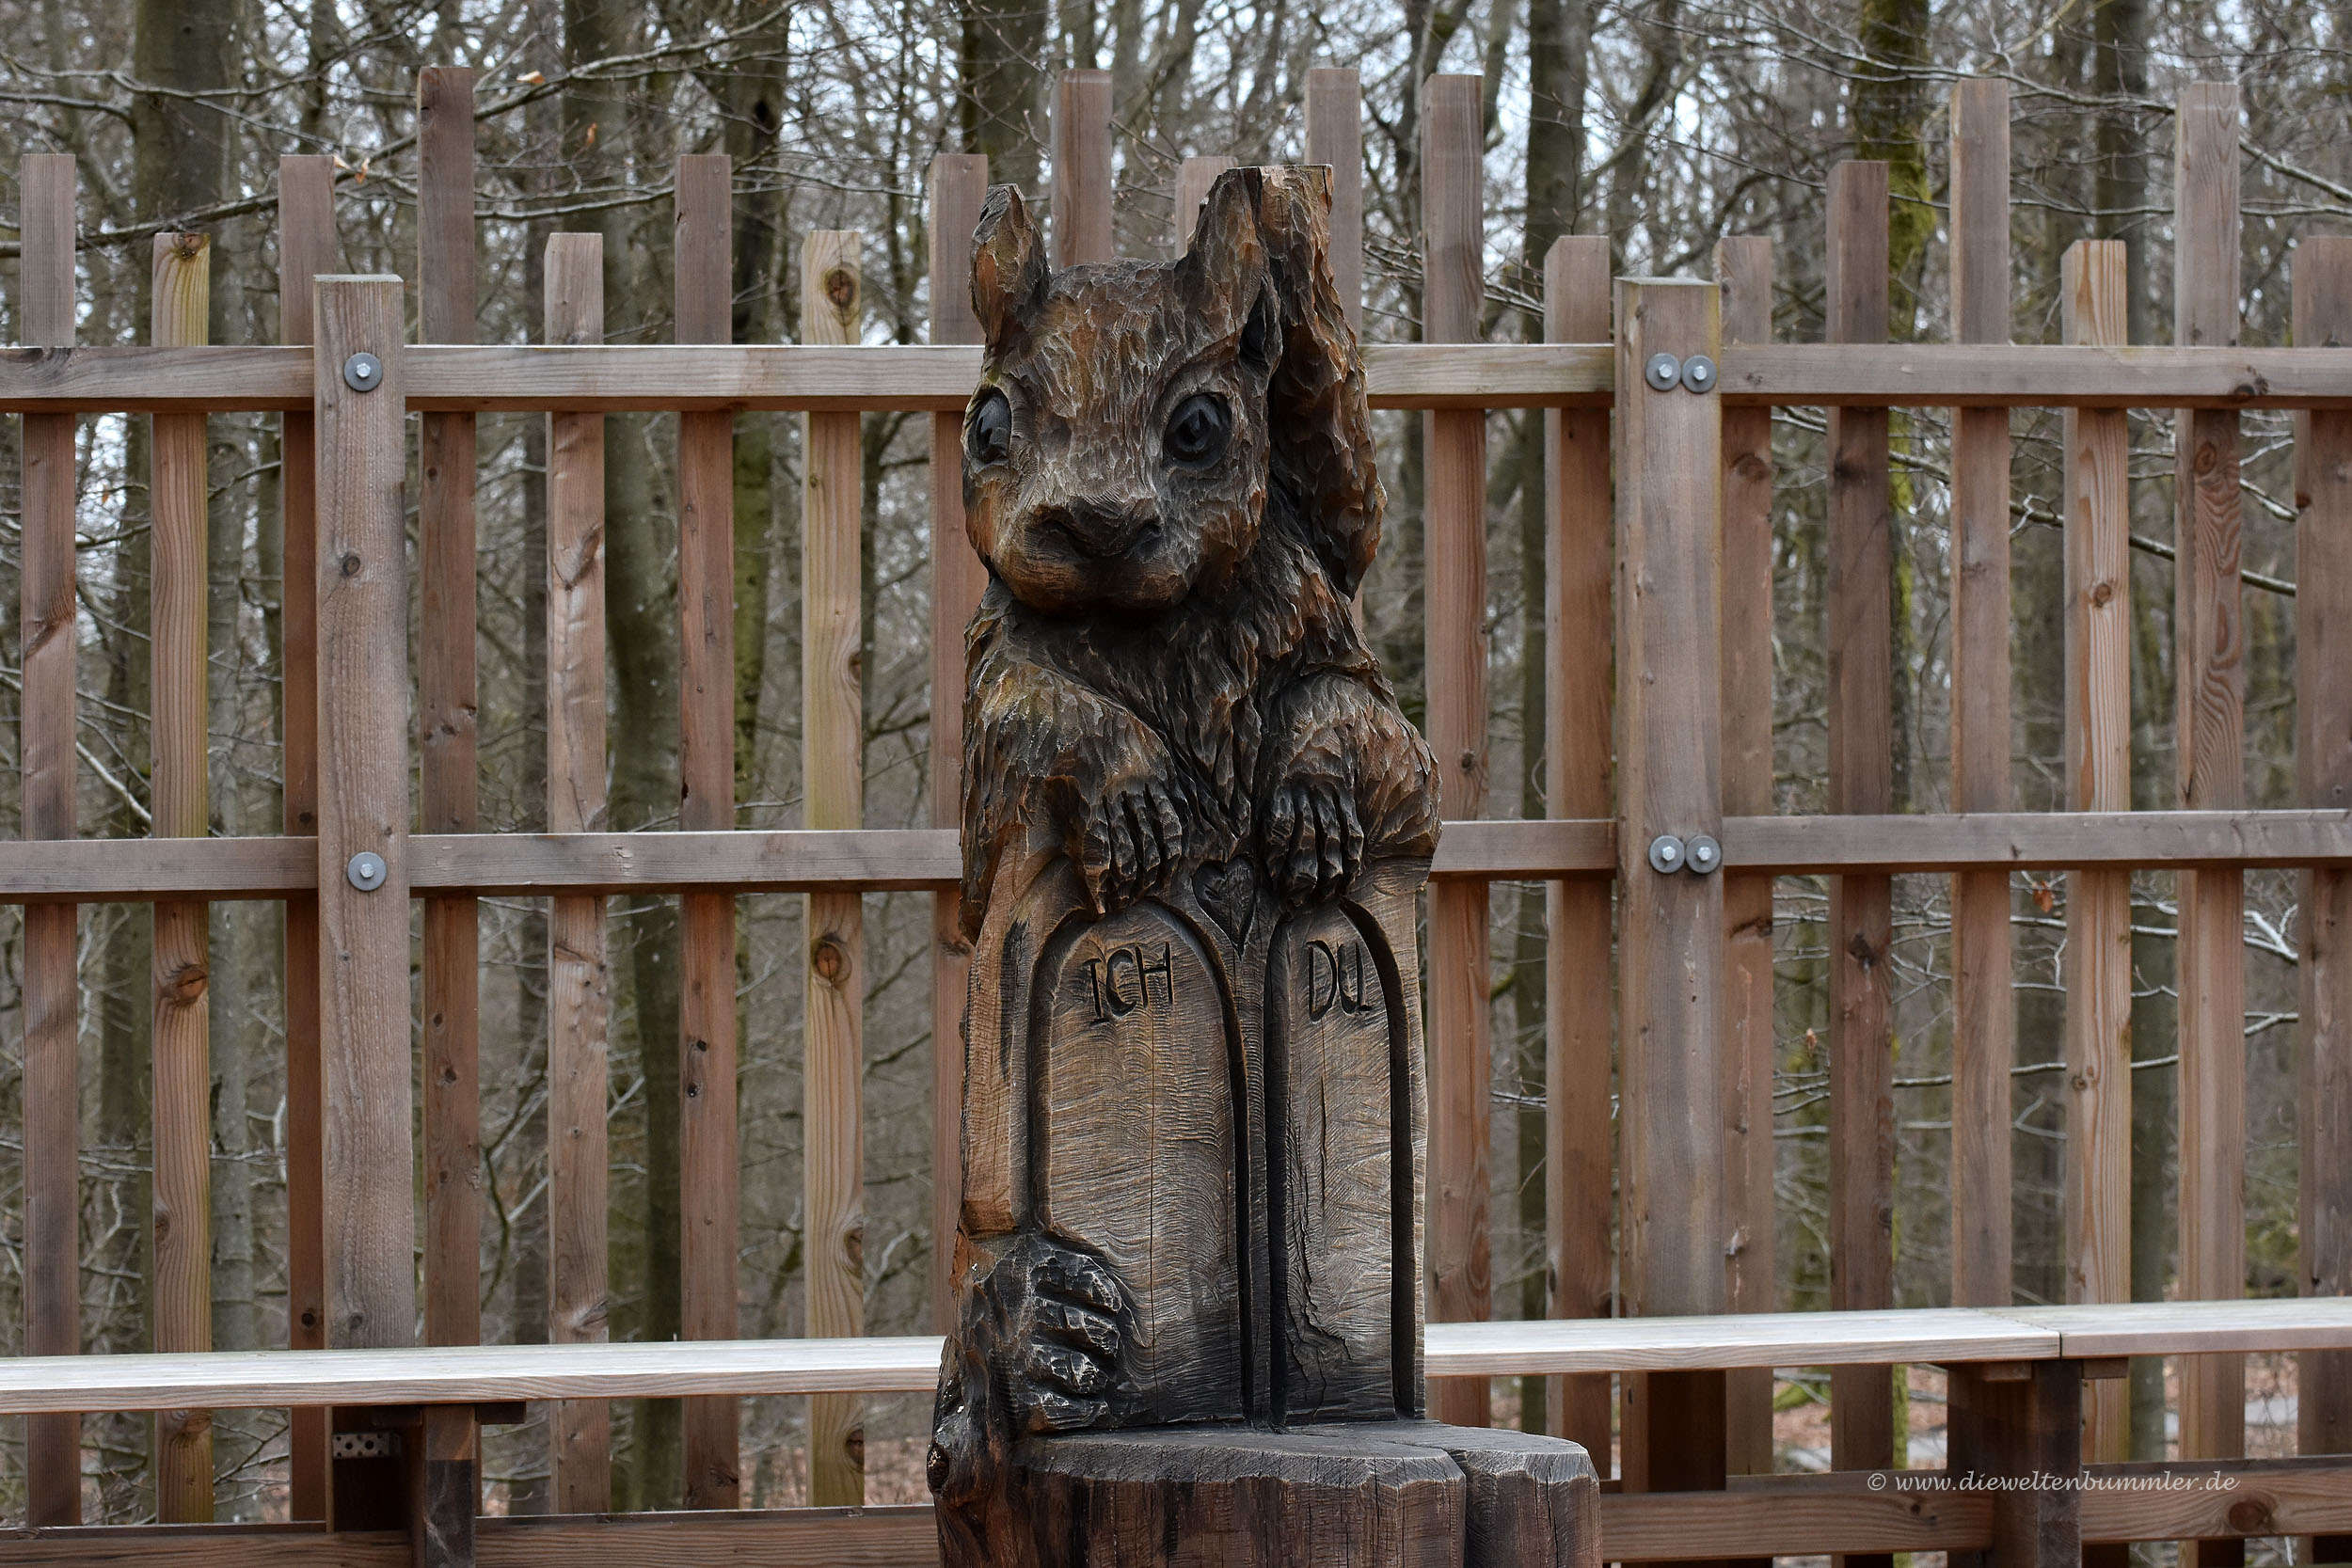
x,y
363,373
1663,372
1705,854
1666,854
1698,373
366,871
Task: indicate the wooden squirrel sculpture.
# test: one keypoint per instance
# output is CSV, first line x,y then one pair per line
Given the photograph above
x,y
1194,826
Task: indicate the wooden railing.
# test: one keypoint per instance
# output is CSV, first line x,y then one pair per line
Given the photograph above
x,y
1690,1043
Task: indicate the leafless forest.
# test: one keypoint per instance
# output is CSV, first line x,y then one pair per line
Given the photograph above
x,y
1664,124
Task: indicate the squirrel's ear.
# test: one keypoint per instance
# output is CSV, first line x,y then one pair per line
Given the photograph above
x,y
1224,267
1318,414
1009,270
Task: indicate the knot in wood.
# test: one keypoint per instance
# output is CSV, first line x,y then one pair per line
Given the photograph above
x,y
841,291
2251,1516
350,563
829,959
185,986
2208,458
2103,595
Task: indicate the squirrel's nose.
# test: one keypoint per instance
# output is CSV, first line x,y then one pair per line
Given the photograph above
x,y
1102,530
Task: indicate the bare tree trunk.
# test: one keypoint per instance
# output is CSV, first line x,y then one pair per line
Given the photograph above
x,y
1001,87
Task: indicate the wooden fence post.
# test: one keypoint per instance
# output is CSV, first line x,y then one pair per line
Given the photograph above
x,y
306,249
448,780
578,979
1743,271
707,1144
1193,180
1670,964
2323,759
832,747
363,812
1985,1004
181,1104
1454,547
1335,135
1861,780
2209,734
1581,561
52,986
2098,778
959,185
1082,169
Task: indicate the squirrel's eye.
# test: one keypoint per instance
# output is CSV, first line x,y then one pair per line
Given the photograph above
x,y
988,433
1198,429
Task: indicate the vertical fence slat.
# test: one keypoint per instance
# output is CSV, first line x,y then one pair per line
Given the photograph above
x,y
832,744
1335,135
448,780
579,980
1082,169
1983,998
704,273
52,1271
959,185
1581,561
1193,180
1861,780
1743,271
306,249
2323,759
2210,733
1670,1000
182,1092
2098,778
363,807
1454,534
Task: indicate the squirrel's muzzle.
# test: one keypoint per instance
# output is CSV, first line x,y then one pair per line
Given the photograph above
x,y
1103,532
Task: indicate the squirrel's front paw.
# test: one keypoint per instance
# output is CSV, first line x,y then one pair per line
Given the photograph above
x,y
1312,840
1127,838
1060,1312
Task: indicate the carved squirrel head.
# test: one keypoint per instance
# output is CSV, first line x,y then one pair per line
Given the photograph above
x,y
1135,421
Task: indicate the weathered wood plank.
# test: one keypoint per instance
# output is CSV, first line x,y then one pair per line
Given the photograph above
x,y
1983,1000
1743,271
707,1144
51,986
2210,730
2023,1430
1671,930
449,778
181,1103
1861,781
579,998
1335,137
363,808
832,796
2098,778
618,378
2323,761
1578,1042
1680,1527
1460,1282
959,185
1082,169
306,249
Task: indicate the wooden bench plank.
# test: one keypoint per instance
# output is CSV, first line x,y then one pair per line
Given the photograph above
x,y
2176,1327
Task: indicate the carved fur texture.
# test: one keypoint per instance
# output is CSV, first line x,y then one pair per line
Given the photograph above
x,y
1169,470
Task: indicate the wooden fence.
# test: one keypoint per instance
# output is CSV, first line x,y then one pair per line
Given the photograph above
x,y
1678,745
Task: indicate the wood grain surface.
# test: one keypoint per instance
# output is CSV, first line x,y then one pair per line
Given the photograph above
x,y
1460,1271
1194,177
1335,137
833,796
1082,169
708,1152
579,976
52,986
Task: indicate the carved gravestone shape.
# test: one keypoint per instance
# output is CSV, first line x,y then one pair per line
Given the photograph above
x,y
1195,827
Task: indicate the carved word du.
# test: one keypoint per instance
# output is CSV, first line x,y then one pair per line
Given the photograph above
x,y
1335,978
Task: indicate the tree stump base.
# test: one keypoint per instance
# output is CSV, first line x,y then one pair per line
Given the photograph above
x,y
1414,1494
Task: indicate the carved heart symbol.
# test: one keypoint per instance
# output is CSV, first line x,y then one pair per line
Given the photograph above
x,y
1229,894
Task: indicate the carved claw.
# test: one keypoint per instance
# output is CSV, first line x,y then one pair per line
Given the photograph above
x,y
1061,1311
1313,841
1129,844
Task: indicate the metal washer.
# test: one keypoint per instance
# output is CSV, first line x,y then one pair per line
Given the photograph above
x,y
1663,372
1698,373
363,372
